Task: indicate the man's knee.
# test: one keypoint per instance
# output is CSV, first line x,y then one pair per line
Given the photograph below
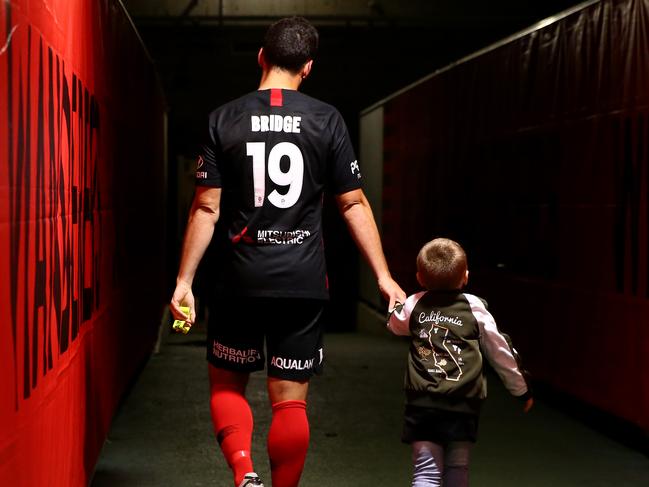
x,y
227,379
286,390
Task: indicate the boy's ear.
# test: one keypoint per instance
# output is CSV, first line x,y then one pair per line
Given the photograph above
x,y
419,279
466,277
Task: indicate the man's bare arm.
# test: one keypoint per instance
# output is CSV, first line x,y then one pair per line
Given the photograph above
x,y
356,212
203,216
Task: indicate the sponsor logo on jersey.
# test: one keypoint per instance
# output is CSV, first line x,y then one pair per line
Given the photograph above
x,y
199,164
234,355
277,237
275,123
291,364
355,168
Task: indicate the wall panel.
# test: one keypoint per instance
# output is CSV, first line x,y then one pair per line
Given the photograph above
x,y
81,230
534,154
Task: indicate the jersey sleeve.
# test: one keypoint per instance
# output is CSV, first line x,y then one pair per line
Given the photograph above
x,y
399,319
344,173
208,170
496,349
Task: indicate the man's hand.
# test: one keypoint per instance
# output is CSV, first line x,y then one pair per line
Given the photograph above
x,y
183,296
356,211
392,292
202,217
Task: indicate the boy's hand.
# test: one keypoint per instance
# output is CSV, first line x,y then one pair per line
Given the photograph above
x,y
528,405
398,306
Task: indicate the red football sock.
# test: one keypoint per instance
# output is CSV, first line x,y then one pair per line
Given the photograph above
x,y
232,420
288,440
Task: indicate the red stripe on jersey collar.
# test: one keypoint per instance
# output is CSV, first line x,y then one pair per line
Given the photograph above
x,y
276,97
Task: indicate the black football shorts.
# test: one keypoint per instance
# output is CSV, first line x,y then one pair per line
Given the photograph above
x,y
438,426
291,328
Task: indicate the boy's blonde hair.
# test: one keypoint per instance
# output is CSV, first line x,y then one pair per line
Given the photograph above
x,y
442,264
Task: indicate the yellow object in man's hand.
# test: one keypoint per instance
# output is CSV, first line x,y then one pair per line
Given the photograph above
x,y
181,326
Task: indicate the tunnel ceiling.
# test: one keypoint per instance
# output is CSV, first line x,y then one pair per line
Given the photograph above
x,y
247,12
244,10
205,50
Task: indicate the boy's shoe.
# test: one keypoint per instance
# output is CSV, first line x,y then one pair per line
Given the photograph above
x,y
251,480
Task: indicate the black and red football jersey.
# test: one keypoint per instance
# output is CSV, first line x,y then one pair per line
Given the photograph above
x,y
274,152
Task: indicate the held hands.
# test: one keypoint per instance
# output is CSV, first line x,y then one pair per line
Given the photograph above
x,y
391,292
183,296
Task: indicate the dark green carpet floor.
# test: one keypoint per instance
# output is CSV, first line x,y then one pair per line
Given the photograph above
x,y
162,435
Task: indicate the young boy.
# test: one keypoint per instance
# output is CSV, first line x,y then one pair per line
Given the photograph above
x,y
445,385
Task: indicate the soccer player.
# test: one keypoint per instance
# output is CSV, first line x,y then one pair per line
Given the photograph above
x,y
269,157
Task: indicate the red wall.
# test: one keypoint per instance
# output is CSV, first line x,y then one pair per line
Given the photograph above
x,y
535,156
81,230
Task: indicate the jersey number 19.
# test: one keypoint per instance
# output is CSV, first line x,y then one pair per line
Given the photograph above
x,y
292,178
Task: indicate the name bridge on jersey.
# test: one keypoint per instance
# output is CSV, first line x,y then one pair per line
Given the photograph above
x,y
289,124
